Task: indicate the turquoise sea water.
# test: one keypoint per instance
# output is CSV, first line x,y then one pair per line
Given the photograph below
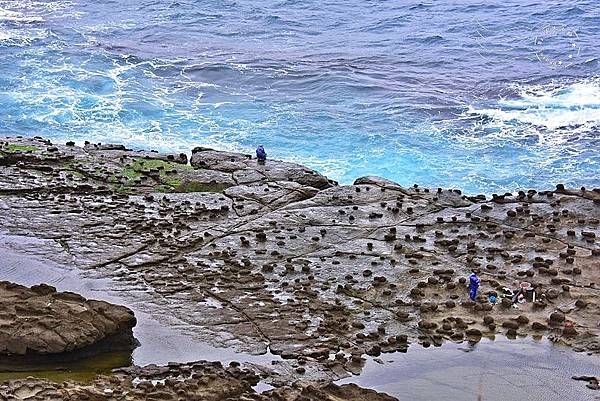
x,y
484,96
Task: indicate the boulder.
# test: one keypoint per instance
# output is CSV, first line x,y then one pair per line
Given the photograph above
x,y
52,322
247,170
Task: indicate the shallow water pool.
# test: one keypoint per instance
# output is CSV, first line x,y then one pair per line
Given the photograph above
x,y
491,370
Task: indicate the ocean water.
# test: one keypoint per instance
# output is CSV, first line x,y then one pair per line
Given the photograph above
x,y
485,96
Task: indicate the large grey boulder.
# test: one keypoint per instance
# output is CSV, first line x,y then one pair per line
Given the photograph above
x,y
246,170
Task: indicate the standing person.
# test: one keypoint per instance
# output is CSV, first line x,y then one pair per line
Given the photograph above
x,y
474,282
261,155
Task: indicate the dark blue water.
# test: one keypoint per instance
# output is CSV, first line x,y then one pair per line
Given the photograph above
x,y
485,96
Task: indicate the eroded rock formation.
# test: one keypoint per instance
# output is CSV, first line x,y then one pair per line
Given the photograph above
x,y
199,381
278,257
40,322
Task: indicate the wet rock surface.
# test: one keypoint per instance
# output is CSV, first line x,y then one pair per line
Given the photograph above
x,y
276,257
38,323
206,381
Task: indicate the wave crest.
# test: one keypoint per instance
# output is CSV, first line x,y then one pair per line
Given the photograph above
x,y
572,105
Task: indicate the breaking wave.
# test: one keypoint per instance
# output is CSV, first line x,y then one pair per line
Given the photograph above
x,y
568,106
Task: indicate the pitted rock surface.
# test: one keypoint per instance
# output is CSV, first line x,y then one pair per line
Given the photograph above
x,y
303,391
198,381
41,321
271,256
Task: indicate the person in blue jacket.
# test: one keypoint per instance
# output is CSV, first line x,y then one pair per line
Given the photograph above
x,y
474,282
261,155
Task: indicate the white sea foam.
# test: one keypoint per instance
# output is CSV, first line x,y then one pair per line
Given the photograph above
x,y
17,17
27,12
14,37
12,31
573,105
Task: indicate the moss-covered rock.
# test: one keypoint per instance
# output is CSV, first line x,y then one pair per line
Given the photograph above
x,y
14,147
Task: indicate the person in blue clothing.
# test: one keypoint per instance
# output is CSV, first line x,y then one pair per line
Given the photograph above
x,y
474,282
261,155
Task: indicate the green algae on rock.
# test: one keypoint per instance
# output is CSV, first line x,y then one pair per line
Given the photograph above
x,y
12,147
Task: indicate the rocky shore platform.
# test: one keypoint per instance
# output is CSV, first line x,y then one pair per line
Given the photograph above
x,y
277,258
